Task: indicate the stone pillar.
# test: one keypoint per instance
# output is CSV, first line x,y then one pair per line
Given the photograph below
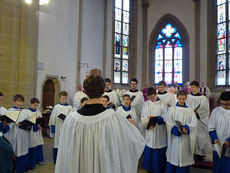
x,y
145,5
18,49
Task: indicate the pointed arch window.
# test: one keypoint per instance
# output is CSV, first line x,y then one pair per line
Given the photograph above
x,y
168,61
121,41
223,43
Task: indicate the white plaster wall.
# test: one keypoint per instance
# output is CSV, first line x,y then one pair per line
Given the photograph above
x,y
92,35
57,43
184,10
203,40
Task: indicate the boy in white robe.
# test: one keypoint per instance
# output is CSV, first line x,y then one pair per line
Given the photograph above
x,y
156,134
19,137
98,140
165,96
181,126
137,102
113,97
56,123
77,98
219,131
200,105
127,110
3,125
35,136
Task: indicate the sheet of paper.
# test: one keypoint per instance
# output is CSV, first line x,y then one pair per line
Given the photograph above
x,y
13,115
218,149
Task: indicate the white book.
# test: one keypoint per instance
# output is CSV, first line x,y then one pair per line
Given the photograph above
x,y
13,115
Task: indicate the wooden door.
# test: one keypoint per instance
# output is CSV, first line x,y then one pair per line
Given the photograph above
x,y
48,94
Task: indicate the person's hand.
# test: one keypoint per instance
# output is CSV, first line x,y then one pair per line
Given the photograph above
x,y
216,141
169,105
132,121
184,130
19,124
40,127
150,116
227,143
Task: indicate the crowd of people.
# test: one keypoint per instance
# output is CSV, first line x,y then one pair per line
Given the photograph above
x,y
171,128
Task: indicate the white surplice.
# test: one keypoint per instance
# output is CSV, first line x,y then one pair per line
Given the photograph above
x,y
3,111
103,143
181,149
113,97
131,112
220,121
168,98
18,138
156,137
57,122
77,100
203,143
35,138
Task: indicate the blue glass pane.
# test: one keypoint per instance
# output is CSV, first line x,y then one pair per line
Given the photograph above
x,y
178,44
173,40
163,41
159,37
158,45
168,30
177,35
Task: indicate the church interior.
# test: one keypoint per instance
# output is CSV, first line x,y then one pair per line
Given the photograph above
x,y
48,46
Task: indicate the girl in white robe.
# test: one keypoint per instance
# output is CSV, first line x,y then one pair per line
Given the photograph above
x,y
56,123
203,144
18,137
156,137
181,145
219,131
35,136
98,140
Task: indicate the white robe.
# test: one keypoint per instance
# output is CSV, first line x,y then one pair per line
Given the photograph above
x,y
77,100
35,138
104,143
203,143
18,138
3,111
131,112
137,103
220,121
57,122
181,149
168,98
112,97
156,137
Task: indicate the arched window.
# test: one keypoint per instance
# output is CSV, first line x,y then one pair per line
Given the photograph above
x,y
168,57
121,41
223,39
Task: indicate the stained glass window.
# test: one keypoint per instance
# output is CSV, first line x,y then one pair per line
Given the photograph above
x,y
223,43
121,41
169,56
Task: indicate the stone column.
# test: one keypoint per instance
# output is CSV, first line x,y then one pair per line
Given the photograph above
x,y
18,49
145,5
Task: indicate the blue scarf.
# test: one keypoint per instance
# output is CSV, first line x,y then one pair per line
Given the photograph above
x,y
126,108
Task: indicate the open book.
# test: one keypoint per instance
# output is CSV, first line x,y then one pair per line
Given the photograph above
x,y
152,122
11,116
28,123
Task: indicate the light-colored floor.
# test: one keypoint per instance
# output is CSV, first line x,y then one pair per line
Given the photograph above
x,y
48,166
